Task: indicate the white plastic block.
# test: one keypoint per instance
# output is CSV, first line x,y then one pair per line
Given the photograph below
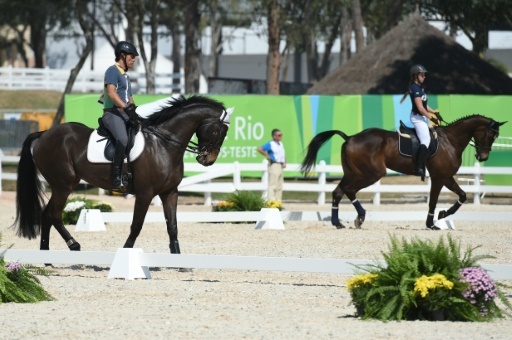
x,y
270,218
445,224
126,265
90,220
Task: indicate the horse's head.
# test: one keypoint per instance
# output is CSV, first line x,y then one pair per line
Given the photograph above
x,y
210,136
484,136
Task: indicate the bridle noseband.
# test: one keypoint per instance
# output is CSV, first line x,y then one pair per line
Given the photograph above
x,y
491,127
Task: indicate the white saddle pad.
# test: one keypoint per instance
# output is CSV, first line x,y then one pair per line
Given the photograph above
x,y
96,148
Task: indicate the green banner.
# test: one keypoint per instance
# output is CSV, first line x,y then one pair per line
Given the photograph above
x,y
300,118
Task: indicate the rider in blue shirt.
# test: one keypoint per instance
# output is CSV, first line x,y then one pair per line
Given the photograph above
x,y
421,113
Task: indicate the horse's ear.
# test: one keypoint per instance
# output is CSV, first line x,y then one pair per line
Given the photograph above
x,y
229,112
500,124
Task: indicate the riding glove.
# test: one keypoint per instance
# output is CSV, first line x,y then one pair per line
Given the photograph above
x,y
130,111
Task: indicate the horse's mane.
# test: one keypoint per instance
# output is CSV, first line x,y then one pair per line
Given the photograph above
x,y
176,105
466,117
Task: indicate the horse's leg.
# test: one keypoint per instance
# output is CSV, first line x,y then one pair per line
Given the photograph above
x,y
52,215
337,195
435,189
169,203
142,202
452,185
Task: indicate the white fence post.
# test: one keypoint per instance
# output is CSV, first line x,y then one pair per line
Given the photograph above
x,y
237,177
476,195
376,196
322,181
264,179
1,156
207,195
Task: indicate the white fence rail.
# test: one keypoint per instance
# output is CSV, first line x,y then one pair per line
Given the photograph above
x,y
91,81
134,263
232,173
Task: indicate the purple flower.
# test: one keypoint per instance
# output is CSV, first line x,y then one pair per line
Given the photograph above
x,y
481,288
13,266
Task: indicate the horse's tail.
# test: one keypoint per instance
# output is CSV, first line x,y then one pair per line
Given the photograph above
x,y
315,145
29,193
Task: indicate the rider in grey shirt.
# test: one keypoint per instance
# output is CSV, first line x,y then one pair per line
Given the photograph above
x,y
118,106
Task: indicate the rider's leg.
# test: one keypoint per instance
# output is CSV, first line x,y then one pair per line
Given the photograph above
x,y
117,127
423,133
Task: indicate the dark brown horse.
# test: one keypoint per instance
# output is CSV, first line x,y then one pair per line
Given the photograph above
x,y
366,155
60,156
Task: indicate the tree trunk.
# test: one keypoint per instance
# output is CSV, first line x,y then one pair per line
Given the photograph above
x,y
176,60
358,25
345,36
216,38
273,56
192,46
38,41
87,31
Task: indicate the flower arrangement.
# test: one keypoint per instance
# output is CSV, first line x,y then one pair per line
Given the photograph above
x,y
245,201
427,281
241,201
18,282
74,206
223,206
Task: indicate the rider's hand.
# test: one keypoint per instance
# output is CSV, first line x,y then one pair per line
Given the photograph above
x,y
130,111
435,121
438,115
131,123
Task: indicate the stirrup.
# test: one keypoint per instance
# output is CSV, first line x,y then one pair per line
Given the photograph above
x,y
118,184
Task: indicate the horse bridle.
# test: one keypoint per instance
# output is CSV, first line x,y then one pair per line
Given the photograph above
x,y
488,128
206,149
192,147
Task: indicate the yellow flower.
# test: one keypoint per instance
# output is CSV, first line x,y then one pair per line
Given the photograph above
x,y
273,204
425,283
225,204
360,280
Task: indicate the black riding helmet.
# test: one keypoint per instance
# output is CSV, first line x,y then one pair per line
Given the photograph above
x,y
126,47
415,69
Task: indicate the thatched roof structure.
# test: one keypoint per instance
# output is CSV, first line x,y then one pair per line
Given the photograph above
x,y
383,66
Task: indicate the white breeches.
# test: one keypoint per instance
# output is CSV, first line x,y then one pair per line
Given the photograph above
x,y
422,130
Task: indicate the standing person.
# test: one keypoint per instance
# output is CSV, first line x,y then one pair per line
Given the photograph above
x,y
118,106
274,152
420,114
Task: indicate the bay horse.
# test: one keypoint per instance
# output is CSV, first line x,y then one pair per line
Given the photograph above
x,y
60,156
366,155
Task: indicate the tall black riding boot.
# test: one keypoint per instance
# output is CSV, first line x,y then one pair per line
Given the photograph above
x,y
117,168
421,160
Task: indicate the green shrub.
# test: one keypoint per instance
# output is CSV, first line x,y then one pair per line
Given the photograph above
x,y
420,279
245,201
74,206
18,282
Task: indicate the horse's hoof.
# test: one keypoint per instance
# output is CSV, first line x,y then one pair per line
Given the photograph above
x,y
358,222
339,226
442,214
433,227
